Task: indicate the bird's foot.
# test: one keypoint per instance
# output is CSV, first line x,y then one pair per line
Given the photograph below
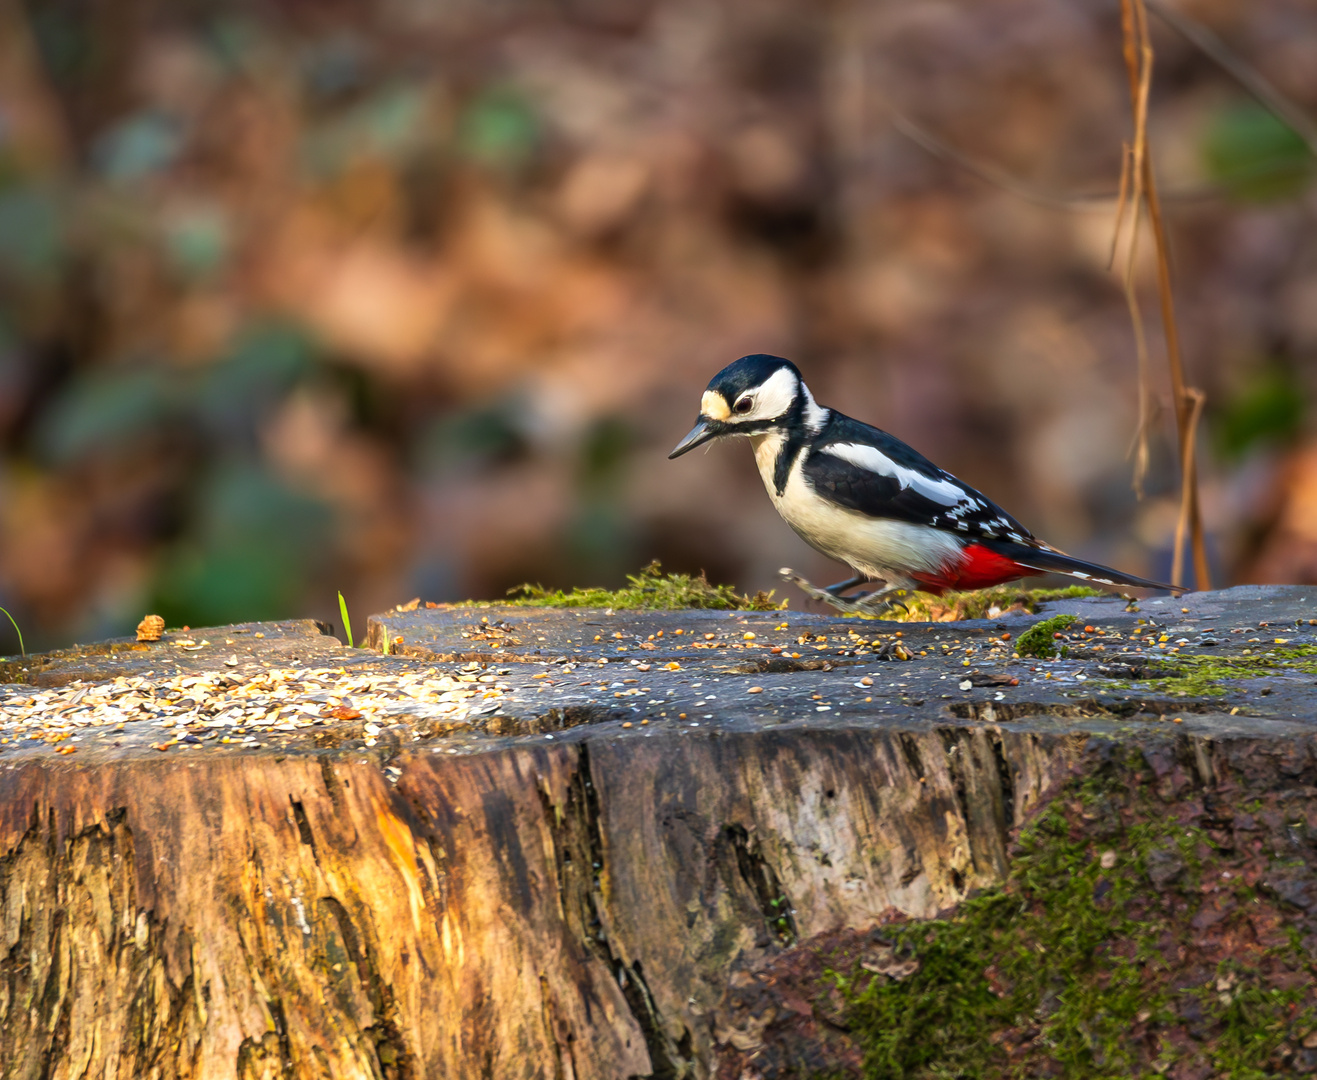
x,y
878,602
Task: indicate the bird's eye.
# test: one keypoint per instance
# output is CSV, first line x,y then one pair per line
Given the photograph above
x,y
745,404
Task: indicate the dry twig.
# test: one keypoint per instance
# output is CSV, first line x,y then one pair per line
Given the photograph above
x,y
1188,485
1188,400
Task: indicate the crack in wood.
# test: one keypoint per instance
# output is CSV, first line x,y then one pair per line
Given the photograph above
x,y
579,859
762,881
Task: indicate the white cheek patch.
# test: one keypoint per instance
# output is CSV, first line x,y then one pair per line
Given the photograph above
x,y
714,406
773,398
943,492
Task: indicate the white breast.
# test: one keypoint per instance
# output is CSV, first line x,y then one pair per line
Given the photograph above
x,y
881,548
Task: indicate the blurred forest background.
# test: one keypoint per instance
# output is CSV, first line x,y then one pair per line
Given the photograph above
x,y
412,297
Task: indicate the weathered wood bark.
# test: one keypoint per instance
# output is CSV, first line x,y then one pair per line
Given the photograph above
x,y
502,906
558,909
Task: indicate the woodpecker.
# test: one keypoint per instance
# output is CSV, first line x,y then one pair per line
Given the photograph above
x,y
866,499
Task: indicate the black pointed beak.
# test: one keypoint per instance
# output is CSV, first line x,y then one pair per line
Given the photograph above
x,y
702,432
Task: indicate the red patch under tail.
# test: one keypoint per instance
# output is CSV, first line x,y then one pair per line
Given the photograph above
x,y
979,568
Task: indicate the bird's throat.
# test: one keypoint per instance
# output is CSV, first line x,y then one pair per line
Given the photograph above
x,y
775,454
768,448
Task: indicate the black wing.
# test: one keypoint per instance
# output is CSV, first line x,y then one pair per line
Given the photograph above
x,y
865,469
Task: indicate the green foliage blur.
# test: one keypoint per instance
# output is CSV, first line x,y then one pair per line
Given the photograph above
x,y
1269,411
1255,155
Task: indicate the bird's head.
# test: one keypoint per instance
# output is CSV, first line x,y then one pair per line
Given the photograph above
x,y
754,395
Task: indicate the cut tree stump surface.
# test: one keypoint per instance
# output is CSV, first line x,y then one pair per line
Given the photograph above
x,y
538,842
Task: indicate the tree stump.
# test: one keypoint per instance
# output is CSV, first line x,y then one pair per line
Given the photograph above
x,y
569,871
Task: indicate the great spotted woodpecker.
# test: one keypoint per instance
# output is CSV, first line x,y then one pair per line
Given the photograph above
x,y
864,498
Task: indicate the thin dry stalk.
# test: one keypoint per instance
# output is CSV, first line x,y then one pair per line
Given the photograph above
x,y
1140,447
1188,399
938,147
1138,55
1188,486
1122,201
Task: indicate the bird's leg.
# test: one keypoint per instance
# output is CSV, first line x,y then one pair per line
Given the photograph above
x,y
813,591
842,586
881,601
877,602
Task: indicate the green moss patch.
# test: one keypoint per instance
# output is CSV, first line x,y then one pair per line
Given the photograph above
x,y
1133,937
1149,926
653,589
650,589
1202,675
1040,639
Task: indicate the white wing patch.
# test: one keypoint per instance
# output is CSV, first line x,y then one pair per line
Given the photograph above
x,y
944,492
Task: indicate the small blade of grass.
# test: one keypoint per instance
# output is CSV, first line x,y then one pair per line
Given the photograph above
x,y
347,626
17,631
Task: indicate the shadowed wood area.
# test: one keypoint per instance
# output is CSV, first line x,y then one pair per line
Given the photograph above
x,y
512,897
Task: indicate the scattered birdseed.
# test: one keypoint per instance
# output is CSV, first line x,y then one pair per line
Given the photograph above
x,y
276,699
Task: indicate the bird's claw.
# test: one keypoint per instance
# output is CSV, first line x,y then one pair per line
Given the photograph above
x,y
878,602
